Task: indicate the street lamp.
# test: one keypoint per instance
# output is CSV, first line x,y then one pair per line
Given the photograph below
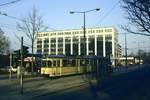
x,y
84,30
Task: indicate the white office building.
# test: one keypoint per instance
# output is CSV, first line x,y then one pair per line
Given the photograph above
x,y
100,41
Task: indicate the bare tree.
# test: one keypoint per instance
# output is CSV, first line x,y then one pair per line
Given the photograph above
x,y
138,13
30,26
4,43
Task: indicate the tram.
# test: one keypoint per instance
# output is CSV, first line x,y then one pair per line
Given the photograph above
x,y
55,65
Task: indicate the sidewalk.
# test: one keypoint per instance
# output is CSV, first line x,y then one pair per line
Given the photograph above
x,y
71,88
37,87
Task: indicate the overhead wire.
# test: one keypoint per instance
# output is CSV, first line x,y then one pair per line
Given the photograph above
x,y
12,17
8,3
108,13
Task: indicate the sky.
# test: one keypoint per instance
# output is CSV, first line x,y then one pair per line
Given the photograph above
x,y
56,15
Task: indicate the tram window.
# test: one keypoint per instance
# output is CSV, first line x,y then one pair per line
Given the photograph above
x,y
54,63
73,63
64,63
49,64
69,62
44,64
58,63
84,62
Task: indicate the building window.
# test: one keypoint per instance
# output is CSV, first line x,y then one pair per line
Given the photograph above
x,y
53,33
67,33
45,34
75,46
46,43
99,31
39,46
68,46
100,46
108,48
39,51
93,31
75,32
91,45
53,46
82,46
39,42
89,32
108,37
45,51
61,33
108,30
60,45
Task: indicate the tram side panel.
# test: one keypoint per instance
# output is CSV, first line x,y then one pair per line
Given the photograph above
x,y
69,70
51,72
62,71
45,71
65,69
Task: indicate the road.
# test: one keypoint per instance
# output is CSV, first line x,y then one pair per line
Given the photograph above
x,y
131,85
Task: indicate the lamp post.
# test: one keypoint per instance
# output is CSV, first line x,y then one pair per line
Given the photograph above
x,y
84,29
126,61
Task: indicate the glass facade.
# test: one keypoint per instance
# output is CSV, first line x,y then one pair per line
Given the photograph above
x,y
101,42
75,46
91,45
68,46
108,44
39,46
60,45
46,46
82,46
53,46
100,46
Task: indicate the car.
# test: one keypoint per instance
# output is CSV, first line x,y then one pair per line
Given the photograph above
x,y
10,68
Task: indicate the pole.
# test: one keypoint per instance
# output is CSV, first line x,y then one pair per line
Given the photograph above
x,y
145,52
84,52
126,50
84,32
21,69
139,52
32,70
10,59
10,66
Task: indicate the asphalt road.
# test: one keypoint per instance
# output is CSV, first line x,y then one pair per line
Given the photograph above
x,y
130,85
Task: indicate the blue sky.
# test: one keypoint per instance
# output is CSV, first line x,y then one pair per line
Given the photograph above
x,y
56,15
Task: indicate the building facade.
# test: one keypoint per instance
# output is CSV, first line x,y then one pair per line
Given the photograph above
x,y
99,41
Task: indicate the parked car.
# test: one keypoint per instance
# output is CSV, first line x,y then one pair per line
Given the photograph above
x,y
10,68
